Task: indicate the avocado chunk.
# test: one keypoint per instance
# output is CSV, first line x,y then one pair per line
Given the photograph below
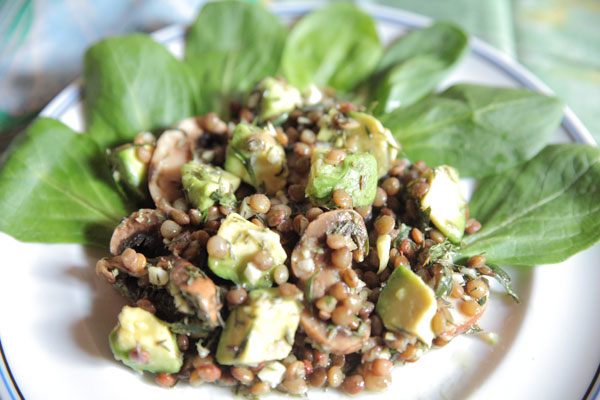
x,y
145,343
261,330
245,240
130,173
277,98
406,303
356,174
254,155
445,204
375,139
204,185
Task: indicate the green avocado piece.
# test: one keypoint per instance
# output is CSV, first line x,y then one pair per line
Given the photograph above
x,y
254,155
261,330
245,240
445,203
129,172
145,343
356,174
373,138
204,185
278,98
408,304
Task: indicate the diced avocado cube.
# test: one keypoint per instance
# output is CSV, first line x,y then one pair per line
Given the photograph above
x,y
245,240
130,173
278,98
445,203
375,139
254,155
408,304
356,174
204,185
261,330
272,373
145,343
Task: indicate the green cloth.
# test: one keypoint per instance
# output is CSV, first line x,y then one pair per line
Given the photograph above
x,y
42,43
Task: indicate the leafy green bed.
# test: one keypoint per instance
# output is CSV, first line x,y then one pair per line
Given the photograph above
x,y
538,204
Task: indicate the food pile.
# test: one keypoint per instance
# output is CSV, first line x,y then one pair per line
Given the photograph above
x,y
290,247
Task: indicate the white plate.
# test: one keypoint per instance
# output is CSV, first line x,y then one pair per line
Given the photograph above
x,y
56,314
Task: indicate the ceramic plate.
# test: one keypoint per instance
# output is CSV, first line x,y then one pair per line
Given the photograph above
x,y
56,314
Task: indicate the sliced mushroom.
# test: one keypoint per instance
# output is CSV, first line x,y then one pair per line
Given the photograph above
x,y
338,341
197,286
173,149
140,231
309,256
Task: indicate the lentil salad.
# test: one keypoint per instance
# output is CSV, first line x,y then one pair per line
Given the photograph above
x,y
174,262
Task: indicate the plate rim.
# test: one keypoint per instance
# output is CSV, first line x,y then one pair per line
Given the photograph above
x,y
386,14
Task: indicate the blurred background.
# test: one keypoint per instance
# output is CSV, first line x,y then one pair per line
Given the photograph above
x,y
42,43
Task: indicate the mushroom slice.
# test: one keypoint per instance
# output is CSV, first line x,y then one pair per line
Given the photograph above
x,y
337,340
140,231
309,256
173,149
199,288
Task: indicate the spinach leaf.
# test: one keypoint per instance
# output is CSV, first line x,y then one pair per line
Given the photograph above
x,y
336,46
541,212
134,84
230,47
480,130
415,64
56,188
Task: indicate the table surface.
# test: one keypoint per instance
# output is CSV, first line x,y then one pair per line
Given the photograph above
x,y
42,43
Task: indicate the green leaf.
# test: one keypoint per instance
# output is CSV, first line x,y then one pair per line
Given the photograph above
x,y
134,84
230,47
415,64
480,130
336,46
56,188
542,212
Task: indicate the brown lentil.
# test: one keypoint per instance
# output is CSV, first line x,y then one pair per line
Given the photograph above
x,y
409,353
320,358
470,308
213,213
384,224
242,374
209,372
335,376
376,325
217,247
165,380
288,290
263,260
238,296
308,136
295,386
275,217
380,197
336,241
457,292
144,154
476,261
183,342
342,199
335,156
147,305
318,377
375,382
169,229
438,323
260,388
180,216
260,203
342,315
476,288
341,258
391,186
339,291
420,189
297,193
281,274
472,226
364,211
417,236
354,384
350,277
382,367
437,236
313,213
338,360
302,149
295,370
195,216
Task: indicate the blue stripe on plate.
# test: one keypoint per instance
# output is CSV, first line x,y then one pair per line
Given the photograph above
x,y
570,122
7,377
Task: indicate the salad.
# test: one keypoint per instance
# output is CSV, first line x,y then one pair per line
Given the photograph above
x,y
306,227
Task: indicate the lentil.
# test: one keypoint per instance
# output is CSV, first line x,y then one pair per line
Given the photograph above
x,y
217,247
